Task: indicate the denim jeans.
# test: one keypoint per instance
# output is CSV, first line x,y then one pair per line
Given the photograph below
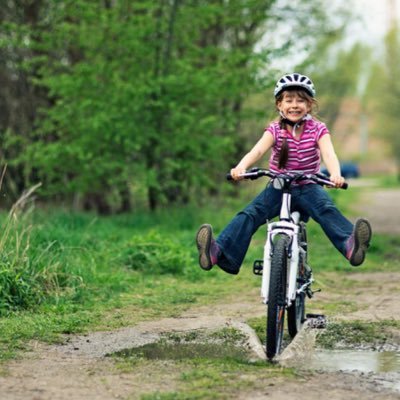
x,y
311,200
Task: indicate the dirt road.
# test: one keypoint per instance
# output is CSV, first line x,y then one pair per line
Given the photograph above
x,y
382,208
79,370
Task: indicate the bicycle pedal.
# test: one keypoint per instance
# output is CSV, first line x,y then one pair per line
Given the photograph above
x,y
258,266
310,293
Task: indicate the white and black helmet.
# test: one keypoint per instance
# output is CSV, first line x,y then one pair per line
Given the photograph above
x,y
294,81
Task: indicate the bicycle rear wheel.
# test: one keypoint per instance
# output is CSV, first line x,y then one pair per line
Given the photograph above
x,y
296,315
277,296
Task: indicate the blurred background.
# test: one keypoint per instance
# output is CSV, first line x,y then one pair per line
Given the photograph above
x,y
121,106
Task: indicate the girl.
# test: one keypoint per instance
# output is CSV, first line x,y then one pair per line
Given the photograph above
x,y
298,140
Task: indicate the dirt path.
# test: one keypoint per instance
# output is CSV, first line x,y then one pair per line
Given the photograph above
x,y
79,370
382,208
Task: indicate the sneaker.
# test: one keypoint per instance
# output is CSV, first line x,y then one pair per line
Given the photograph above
x,y
207,246
358,242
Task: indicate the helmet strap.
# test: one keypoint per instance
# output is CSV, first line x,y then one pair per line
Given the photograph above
x,y
294,125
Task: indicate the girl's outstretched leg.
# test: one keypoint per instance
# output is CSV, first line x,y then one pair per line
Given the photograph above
x,y
351,240
229,250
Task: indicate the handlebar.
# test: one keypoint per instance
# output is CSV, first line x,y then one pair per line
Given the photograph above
x,y
319,178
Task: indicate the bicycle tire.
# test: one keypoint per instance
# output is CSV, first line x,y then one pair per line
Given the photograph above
x,y
296,311
296,315
277,296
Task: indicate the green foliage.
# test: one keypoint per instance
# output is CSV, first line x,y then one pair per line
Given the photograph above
x,y
19,287
58,259
132,104
29,275
136,106
155,254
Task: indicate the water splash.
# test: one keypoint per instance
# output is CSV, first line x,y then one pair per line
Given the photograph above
x,y
301,349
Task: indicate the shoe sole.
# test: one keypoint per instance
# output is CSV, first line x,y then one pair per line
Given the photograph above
x,y
362,237
203,241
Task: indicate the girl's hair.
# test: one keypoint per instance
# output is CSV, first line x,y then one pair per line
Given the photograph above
x,y
284,152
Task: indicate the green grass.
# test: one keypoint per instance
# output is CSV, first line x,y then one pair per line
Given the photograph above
x,y
221,379
388,181
63,273
357,334
79,272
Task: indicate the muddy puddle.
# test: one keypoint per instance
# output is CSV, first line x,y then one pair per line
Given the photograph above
x,y
327,360
382,366
356,360
171,351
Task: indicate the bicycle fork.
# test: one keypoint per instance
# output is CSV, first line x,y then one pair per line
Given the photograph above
x,y
290,229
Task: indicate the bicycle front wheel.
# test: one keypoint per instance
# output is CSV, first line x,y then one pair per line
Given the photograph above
x,y
296,312
277,296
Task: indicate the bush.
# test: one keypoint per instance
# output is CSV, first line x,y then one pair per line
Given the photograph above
x,y
155,254
18,287
29,274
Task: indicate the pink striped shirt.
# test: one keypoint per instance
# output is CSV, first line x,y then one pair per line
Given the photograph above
x,y
304,154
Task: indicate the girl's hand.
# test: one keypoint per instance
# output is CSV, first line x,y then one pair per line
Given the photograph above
x,y
236,172
338,180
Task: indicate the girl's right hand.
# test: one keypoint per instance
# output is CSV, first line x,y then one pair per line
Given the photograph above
x,y
236,172
337,179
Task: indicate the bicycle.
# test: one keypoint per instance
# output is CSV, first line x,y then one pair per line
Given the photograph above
x,y
286,275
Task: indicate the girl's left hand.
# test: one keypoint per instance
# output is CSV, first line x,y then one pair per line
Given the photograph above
x,y
338,180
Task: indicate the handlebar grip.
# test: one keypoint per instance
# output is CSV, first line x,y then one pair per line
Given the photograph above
x,y
345,186
229,177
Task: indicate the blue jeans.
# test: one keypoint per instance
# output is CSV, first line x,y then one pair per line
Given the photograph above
x,y
310,200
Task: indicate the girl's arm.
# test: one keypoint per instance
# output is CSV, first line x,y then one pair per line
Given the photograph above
x,y
330,159
260,148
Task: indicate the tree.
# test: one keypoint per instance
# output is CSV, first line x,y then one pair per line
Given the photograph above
x,y
138,101
19,99
143,101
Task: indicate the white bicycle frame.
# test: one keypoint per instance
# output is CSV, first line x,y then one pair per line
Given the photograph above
x,y
288,224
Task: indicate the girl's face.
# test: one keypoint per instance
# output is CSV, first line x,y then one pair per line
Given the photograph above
x,y
293,106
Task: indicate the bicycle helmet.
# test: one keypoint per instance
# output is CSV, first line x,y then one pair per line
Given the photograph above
x,y
294,80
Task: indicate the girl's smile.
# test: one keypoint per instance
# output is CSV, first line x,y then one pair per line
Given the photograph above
x,y
294,107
